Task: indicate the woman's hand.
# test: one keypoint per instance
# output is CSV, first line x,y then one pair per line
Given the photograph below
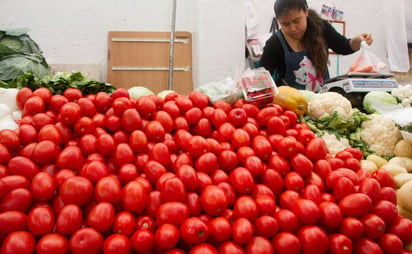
x,y
356,41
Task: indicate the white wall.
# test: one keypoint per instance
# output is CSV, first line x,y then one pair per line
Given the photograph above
x,y
75,31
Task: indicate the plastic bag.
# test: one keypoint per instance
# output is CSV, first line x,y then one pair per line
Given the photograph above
x,y
225,90
366,61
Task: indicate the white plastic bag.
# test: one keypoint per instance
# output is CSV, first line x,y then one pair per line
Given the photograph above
x,y
366,61
225,90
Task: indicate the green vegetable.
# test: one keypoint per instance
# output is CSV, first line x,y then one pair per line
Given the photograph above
x,y
19,54
60,81
379,102
137,91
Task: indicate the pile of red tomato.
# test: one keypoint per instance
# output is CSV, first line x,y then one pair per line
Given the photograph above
x,y
113,174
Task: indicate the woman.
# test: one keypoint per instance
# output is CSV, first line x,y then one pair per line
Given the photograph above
x,y
297,54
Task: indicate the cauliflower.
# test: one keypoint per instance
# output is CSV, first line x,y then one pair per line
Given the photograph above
x,y
334,144
325,104
381,134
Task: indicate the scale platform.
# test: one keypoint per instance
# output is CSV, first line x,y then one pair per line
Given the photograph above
x,y
354,85
360,82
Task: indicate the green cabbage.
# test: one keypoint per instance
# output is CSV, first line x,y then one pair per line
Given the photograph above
x,y
379,102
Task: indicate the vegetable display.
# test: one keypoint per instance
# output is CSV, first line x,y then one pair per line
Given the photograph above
x,y
110,173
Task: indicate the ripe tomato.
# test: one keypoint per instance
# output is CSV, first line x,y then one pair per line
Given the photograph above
x,y
307,211
69,219
18,242
266,226
265,204
242,180
124,223
33,105
287,220
142,241
154,131
220,229
351,227
20,165
173,189
228,160
69,113
273,179
52,243
316,149
194,231
355,205
259,245
366,245
287,146
213,200
370,187
117,243
237,117
294,181
40,220
71,157
86,240
101,216
167,236
131,120
76,190
286,243
301,164
45,152
12,221
401,227
19,199
313,239
384,178
330,214
43,187
390,243
102,101
108,189
386,210
242,230
72,94
172,213
339,244
134,197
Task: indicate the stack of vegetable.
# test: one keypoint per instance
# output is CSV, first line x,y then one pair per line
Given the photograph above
x,y
116,174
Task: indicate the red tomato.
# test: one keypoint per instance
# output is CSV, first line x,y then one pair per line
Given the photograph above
x,y
401,227
124,223
69,113
266,226
19,165
19,199
237,117
356,152
86,240
76,190
230,247
255,165
131,120
18,242
228,160
220,229
52,243
71,157
301,164
342,187
316,149
366,245
259,245
262,147
352,227
22,95
242,230
154,131
50,132
242,180
43,187
33,105
194,231
172,213
229,191
198,99
142,241
12,221
313,239
294,181
288,198
287,146
213,200
245,207
173,189
330,214
73,94
40,220
108,189
84,125
390,243
386,210
286,243
307,211
341,172
69,219
370,187
167,236
117,243
45,152
101,216
339,244
355,205
384,178
273,179
265,204
134,197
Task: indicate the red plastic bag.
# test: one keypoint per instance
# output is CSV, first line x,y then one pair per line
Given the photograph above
x,y
366,61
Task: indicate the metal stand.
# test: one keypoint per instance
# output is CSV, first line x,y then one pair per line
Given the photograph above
x,y
172,46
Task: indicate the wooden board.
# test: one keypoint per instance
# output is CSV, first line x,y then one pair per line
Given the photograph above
x,y
142,59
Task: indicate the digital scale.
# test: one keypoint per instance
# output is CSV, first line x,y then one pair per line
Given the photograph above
x,y
354,85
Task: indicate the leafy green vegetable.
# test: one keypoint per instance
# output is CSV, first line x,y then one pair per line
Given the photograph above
x,y
60,81
12,66
378,101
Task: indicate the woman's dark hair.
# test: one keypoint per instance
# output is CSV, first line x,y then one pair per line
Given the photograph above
x,y
313,39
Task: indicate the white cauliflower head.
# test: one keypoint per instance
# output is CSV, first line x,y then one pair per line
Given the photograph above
x,y
335,144
324,104
381,134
